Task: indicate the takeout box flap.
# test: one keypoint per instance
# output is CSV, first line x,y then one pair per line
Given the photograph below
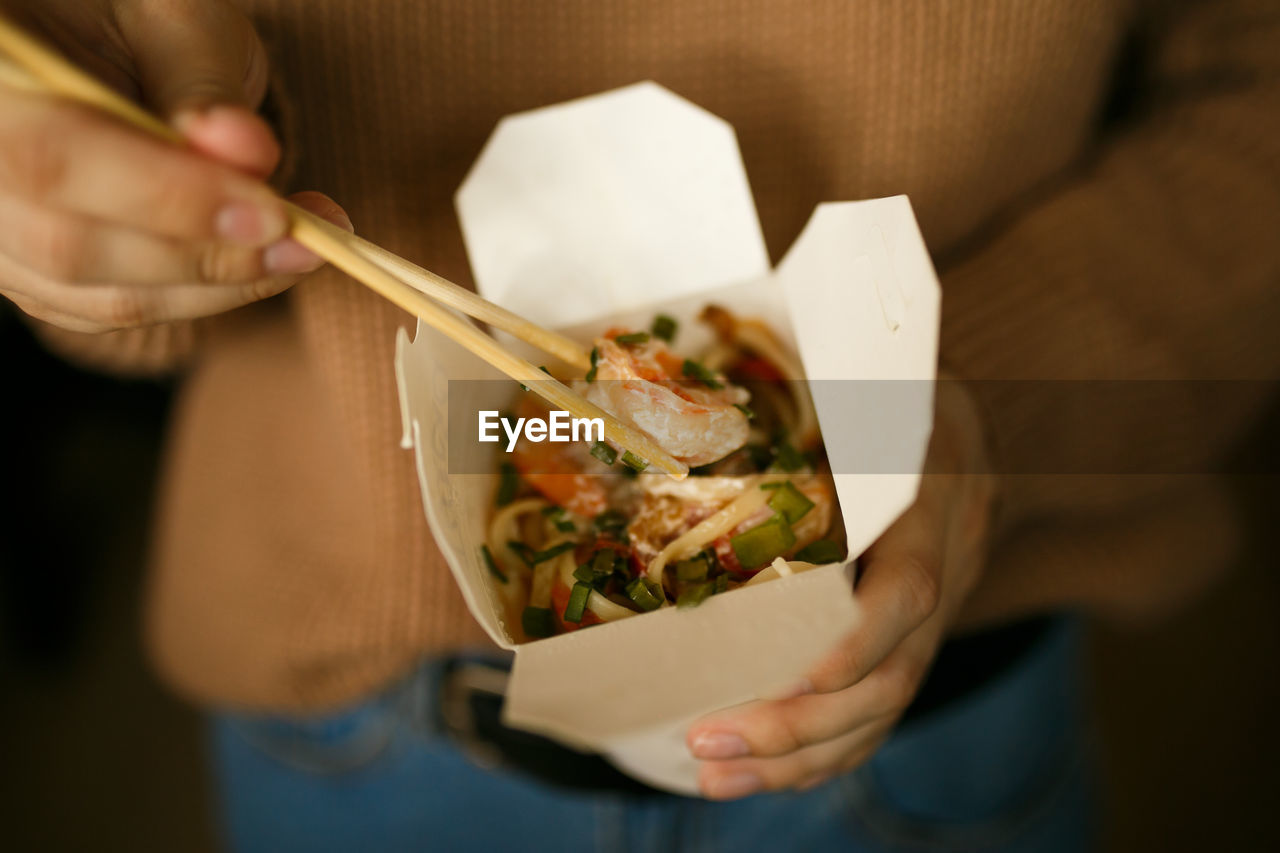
x,y
607,203
593,686
456,505
865,306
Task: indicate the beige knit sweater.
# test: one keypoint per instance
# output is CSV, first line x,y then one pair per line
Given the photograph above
x,y
293,565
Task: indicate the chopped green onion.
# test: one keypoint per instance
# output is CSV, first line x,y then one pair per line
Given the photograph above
x,y
556,514
790,502
635,463
610,520
553,551
821,552
538,621
577,602
633,338
787,458
523,551
584,574
722,584
508,483
604,453
746,410
664,327
696,594
491,565
604,562
762,543
694,370
595,357
693,569
646,594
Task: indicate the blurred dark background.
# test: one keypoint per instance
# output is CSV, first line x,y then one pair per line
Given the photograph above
x,y
96,755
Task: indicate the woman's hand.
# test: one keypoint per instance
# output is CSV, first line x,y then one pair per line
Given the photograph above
x,y
912,583
103,227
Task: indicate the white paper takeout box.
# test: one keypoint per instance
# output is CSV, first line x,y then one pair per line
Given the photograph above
x,y
611,208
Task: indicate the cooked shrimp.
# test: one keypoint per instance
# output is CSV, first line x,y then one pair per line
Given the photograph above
x,y
642,384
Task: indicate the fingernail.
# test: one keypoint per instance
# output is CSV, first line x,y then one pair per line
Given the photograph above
x,y
289,257
249,224
186,120
717,745
189,119
732,786
343,221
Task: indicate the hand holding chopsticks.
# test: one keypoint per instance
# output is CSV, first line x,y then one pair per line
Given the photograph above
x,y
33,66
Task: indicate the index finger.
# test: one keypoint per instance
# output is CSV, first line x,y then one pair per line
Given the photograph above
x,y
897,588
74,159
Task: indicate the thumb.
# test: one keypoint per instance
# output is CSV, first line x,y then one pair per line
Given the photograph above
x,y
202,67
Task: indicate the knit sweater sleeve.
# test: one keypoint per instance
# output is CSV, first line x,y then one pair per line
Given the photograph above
x,y
1158,260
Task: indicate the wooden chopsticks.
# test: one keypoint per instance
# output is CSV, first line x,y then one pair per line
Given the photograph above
x,y
412,288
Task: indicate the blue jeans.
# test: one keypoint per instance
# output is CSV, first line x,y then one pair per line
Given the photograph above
x,y
1003,768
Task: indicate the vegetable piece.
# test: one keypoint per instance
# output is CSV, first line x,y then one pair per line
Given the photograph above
x,y
523,551
598,569
556,514
491,565
646,594
694,370
696,594
508,484
605,561
604,453
635,463
633,338
691,570
665,326
790,502
553,551
538,621
821,552
787,458
746,410
595,357
577,602
759,545
610,521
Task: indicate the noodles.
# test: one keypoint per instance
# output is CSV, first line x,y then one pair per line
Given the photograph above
x,y
504,528
756,336
725,520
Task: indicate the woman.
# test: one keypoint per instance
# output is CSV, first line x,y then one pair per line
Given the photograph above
x,y
297,594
